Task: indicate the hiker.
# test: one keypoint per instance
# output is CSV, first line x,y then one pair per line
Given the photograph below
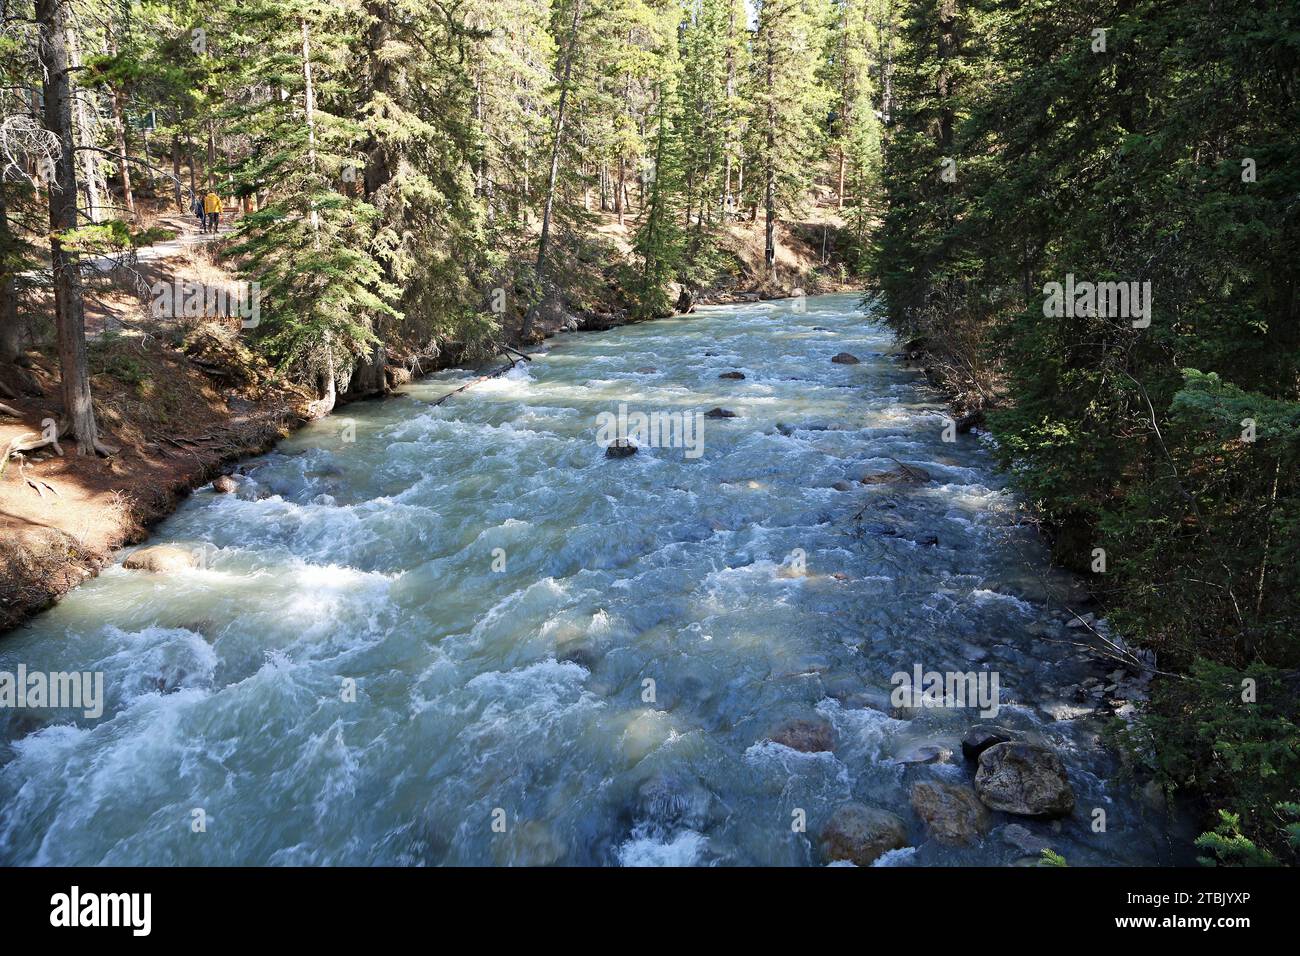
x,y
196,207
212,206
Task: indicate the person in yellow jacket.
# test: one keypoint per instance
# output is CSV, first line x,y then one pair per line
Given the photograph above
x,y
212,207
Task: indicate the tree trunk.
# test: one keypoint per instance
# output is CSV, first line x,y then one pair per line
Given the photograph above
x,y
85,134
309,109
11,334
769,163
53,19
369,378
555,152
176,171
839,190
119,134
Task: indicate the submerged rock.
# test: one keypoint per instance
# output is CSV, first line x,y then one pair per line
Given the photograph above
x,y
983,736
845,358
621,449
646,370
860,834
842,485
719,413
161,558
952,813
903,474
806,736
1015,835
1025,779
674,800
926,753
732,375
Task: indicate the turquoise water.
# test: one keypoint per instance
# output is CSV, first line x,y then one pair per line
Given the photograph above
x,y
499,593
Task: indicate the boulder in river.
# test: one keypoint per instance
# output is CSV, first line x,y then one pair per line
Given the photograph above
x,y
842,485
732,375
860,834
952,813
224,485
161,558
646,370
983,736
806,736
719,413
845,358
621,449
903,474
1025,779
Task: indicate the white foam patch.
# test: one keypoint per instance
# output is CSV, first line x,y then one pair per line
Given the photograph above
x,y
682,849
900,857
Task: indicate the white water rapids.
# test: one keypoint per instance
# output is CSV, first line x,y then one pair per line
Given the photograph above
x,y
521,690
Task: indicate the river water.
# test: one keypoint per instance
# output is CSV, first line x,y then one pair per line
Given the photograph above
x,y
413,622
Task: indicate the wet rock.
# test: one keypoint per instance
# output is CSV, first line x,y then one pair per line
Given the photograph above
x,y
719,413
926,753
1025,779
621,449
969,421
806,736
585,657
674,800
224,485
784,429
929,541
884,530
903,474
732,375
646,370
1015,835
953,815
842,485
845,358
161,558
1153,796
1087,620
860,834
528,843
983,736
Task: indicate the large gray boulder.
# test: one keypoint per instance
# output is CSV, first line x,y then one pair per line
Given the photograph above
x,y
860,834
1025,779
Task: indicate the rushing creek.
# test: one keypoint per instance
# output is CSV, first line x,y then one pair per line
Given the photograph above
x,y
413,621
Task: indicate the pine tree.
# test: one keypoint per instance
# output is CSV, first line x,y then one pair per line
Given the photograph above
x,y
788,108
